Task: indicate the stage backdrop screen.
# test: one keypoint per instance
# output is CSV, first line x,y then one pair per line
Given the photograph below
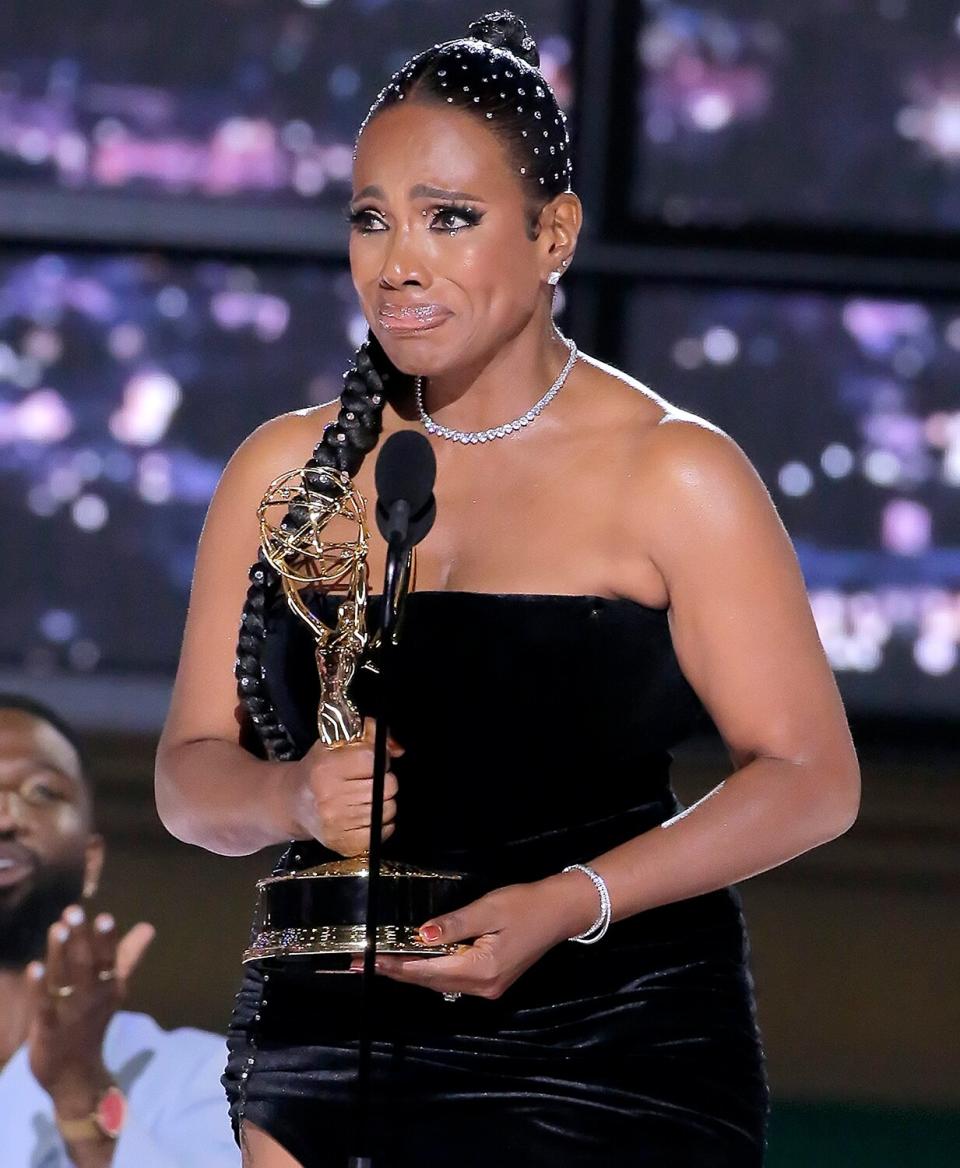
x,y
825,114
848,407
248,101
126,381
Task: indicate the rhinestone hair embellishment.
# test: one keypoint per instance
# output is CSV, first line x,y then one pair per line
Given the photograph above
x,y
525,91
473,437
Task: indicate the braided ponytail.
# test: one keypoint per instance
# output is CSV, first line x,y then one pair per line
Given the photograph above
x,y
370,382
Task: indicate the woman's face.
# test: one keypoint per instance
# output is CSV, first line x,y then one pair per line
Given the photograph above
x,y
439,248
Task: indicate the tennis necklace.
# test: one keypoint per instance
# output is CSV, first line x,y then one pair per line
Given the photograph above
x,y
507,428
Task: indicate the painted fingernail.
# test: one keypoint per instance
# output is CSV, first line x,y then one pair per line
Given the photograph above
x,y
36,970
74,915
104,923
61,932
430,933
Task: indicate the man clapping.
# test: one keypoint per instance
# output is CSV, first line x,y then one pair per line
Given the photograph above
x,y
83,1083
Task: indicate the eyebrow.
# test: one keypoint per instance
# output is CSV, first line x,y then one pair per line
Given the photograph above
x,y
420,191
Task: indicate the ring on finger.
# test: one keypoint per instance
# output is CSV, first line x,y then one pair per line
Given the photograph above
x,y
106,974
63,991
452,995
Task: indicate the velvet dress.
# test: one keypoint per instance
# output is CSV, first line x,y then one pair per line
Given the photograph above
x,y
537,732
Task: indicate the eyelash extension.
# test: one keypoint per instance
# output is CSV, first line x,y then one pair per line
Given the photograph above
x,y
470,214
357,218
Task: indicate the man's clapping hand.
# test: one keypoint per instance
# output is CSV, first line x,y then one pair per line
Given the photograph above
x,y
77,990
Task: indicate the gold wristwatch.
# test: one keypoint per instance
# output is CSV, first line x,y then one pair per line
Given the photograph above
x,y
106,1119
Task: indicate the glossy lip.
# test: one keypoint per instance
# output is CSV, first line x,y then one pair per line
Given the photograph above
x,y
412,318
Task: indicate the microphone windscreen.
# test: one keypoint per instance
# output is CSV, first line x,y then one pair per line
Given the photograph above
x,y
406,469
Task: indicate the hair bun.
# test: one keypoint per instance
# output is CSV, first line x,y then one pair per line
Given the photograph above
x,y
504,30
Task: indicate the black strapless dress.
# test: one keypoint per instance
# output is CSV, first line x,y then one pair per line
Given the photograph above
x,y
537,732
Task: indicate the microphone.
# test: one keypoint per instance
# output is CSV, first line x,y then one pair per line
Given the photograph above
x,y
405,473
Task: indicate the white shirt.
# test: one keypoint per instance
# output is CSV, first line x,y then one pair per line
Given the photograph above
x,y
176,1108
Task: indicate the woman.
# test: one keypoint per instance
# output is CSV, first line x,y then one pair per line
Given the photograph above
x,y
602,567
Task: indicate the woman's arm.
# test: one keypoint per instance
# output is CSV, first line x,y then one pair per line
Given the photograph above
x,y
210,791
746,641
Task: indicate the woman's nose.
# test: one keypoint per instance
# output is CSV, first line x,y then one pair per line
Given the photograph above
x,y
404,262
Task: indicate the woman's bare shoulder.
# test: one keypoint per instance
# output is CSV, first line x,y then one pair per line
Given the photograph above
x,y
642,415
281,443
667,455
686,451
696,485
619,393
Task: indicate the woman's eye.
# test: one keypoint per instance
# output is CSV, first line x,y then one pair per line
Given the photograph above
x,y
366,221
447,219
455,218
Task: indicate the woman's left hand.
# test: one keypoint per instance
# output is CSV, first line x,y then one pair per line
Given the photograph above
x,y
507,930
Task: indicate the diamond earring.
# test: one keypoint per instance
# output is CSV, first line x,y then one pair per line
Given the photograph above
x,y
554,277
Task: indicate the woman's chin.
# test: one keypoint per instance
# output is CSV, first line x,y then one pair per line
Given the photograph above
x,y
419,352
415,359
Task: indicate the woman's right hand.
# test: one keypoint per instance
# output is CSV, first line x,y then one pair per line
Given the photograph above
x,y
333,792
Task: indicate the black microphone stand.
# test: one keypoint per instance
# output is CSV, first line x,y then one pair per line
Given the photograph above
x,y
396,577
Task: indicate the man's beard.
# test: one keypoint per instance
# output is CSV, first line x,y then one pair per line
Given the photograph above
x,y
24,924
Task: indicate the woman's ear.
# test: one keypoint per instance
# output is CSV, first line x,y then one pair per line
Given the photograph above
x,y
560,223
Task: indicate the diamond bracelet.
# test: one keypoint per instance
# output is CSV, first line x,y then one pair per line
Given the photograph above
x,y
602,923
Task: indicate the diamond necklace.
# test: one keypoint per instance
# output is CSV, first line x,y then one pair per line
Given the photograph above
x,y
531,415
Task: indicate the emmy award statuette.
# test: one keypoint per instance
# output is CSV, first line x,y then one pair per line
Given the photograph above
x,y
313,532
